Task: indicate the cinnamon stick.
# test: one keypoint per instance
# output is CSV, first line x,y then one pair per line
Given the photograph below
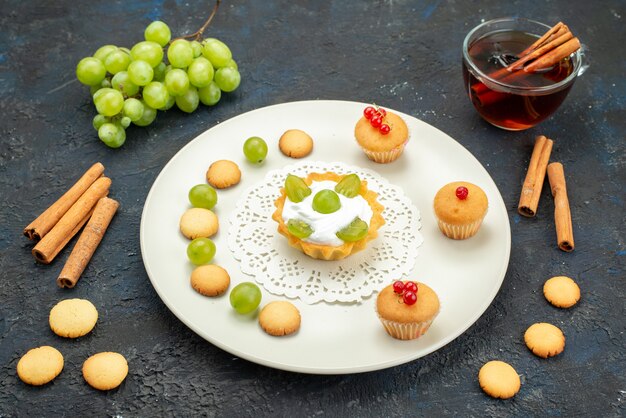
x,y
54,241
87,242
553,30
38,228
533,183
557,54
539,53
562,214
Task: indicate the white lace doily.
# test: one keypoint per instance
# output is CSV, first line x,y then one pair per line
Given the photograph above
x,y
265,255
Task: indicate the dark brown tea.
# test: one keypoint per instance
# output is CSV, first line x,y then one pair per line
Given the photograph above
x,y
518,100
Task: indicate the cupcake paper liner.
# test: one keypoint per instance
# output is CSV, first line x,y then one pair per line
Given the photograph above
x,y
386,156
460,231
405,331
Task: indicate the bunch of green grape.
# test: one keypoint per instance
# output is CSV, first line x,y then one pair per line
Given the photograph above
x,y
129,86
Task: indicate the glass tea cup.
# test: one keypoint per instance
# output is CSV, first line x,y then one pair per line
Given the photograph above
x,y
514,101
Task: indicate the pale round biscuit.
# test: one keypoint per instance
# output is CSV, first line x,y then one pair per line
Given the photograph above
x,y
223,173
199,223
73,318
105,371
544,340
561,291
40,365
499,379
279,318
210,280
295,143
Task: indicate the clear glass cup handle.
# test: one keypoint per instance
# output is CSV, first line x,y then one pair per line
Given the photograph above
x,y
583,55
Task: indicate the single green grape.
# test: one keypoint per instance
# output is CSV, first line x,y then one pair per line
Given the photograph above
x,y
326,201
180,53
148,116
112,135
104,51
109,103
245,297
158,32
150,52
140,72
177,82
155,94
255,149
296,188
200,72
189,101
125,122
201,251
121,82
203,196
210,94
349,186
197,48
90,71
159,72
133,109
299,228
355,231
106,82
99,120
227,78
117,61
217,52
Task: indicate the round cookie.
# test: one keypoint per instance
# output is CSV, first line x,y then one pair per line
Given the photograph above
x,y
40,365
223,173
499,379
561,291
73,318
210,280
295,143
198,223
279,318
544,340
105,371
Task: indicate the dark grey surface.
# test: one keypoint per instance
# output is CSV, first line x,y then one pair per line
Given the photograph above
x,y
402,54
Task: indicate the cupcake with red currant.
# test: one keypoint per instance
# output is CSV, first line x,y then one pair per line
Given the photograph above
x,y
328,216
460,208
381,134
407,309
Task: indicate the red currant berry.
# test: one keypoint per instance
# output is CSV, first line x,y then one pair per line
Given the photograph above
x,y
462,192
398,287
382,112
384,129
376,121
409,298
410,287
369,112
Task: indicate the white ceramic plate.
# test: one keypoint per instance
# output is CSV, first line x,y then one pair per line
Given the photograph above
x,y
333,338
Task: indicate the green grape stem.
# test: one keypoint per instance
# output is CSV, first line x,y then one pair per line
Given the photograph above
x,y
197,35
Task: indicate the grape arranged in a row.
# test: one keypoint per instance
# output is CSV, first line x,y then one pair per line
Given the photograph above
x,y
129,86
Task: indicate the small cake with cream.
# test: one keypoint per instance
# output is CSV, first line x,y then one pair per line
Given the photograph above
x,y
328,216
